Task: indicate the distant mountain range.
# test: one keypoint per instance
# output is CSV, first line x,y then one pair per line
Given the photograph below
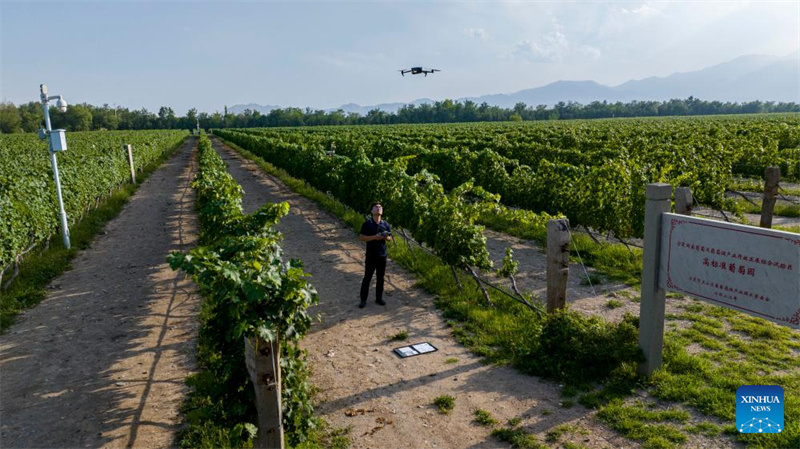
x,y
746,78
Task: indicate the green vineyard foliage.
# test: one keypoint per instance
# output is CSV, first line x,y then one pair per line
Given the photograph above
x,y
442,220
594,172
93,166
249,291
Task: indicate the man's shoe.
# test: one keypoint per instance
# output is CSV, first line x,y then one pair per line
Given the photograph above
x,y
380,302
362,304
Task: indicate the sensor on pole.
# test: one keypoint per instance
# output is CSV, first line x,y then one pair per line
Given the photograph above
x,y
56,142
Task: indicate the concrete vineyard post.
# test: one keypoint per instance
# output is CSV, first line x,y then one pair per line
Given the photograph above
x,y
771,177
557,264
683,201
264,369
651,321
129,150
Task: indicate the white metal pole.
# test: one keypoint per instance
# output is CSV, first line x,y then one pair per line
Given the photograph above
x,y
54,162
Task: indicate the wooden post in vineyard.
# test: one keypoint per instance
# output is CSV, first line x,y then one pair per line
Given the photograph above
x,y
557,264
771,177
129,149
683,201
264,369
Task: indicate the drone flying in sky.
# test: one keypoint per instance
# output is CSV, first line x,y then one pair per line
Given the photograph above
x,y
418,70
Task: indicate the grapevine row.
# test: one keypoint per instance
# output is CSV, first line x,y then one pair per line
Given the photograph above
x,y
249,293
442,220
593,172
93,166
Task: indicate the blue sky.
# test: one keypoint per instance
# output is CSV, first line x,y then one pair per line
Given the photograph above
x,y
324,54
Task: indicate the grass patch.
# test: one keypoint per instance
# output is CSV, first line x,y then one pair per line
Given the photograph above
x,y
780,210
597,347
591,279
788,228
704,428
484,418
400,336
736,349
518,438
637,423
614,304
757,185
445,403
554,434
571,445
515,222
40,267
326,436
451,360
614,260
569,391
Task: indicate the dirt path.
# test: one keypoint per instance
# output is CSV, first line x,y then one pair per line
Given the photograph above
x,y
101,362
351,355
752,219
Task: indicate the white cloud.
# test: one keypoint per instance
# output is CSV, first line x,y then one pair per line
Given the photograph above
x,y
551,47
646,11
589,52
476,32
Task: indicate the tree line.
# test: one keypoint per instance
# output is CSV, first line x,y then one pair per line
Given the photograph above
x,y
85,117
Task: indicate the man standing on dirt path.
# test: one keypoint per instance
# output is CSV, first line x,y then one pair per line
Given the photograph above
x,y
375,232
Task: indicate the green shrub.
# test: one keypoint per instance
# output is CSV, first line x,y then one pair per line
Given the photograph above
x,y
446,403
581,349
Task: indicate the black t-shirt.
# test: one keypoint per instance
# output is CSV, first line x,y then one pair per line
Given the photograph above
x,y
375,247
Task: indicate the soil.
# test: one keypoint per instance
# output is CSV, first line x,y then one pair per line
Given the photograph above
x,y
102,361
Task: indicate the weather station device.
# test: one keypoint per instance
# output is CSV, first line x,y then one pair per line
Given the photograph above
x,y
56,142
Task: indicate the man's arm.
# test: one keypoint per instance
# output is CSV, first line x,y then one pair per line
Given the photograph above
x,y
389,232
370,238
365,237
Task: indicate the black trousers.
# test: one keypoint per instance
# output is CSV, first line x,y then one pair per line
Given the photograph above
x,y
373,264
